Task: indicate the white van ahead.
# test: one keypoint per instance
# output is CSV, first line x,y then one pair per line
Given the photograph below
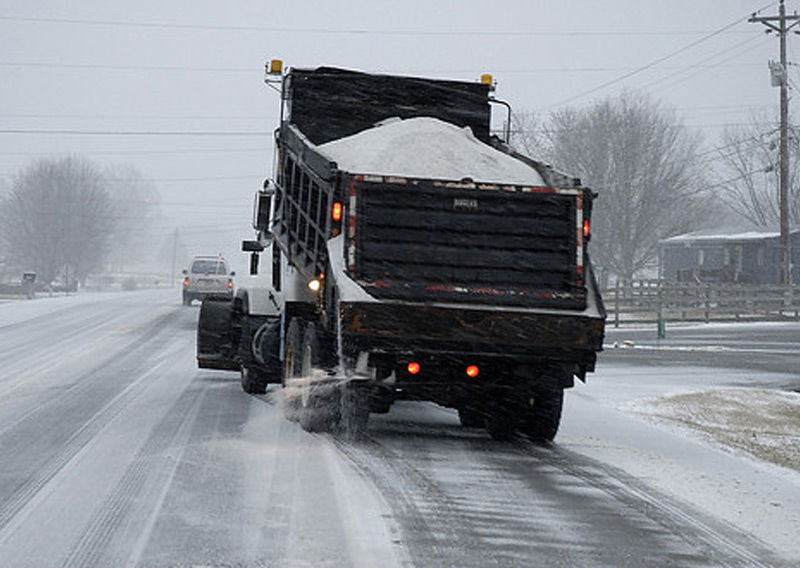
x,y
207,276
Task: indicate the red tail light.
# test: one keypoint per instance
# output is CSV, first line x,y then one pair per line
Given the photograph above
x,y
230,284
413,368
473,371
336,212
586,228
186,282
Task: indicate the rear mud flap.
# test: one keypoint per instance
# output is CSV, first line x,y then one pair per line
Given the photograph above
x,y
216,348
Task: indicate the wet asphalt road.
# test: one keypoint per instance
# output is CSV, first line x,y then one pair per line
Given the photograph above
x,y
117,450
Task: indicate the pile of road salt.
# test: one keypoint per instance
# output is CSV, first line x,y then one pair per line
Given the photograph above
x,y
427,148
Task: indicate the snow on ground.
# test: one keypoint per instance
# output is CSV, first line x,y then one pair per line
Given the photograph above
x,y
15,309
760,423
427,148
743,462
684,430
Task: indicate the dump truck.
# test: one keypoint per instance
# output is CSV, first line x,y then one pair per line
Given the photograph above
x,y
409,253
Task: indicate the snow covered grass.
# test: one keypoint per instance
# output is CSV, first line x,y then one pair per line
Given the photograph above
x,y
763,424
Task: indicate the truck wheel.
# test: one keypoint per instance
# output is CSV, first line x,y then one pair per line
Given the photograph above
x,y
544,415
291,370
319,410
471,417
253,380
257,352
354,409
500,427
215,346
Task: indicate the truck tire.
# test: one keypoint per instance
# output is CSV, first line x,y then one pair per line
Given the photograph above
x,y
354,409
215,346
319,412
471,417
544,415
500,426
291,370
261,366
253,380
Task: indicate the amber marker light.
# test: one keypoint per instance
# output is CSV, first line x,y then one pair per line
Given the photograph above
x,y
336,212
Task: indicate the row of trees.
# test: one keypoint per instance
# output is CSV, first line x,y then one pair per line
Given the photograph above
x,y
64,218
654,179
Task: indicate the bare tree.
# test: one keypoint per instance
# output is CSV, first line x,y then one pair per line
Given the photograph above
x,y
56,220
527,134
134,200
749,172
645,166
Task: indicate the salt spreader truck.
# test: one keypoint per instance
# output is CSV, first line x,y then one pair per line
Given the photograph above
x,y
410,255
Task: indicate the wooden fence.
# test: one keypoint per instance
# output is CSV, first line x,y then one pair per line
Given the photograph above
x,y
659,301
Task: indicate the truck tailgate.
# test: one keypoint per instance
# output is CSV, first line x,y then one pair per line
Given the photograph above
x,y
439,241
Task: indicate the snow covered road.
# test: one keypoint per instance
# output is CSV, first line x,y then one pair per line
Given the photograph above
x,y
117,451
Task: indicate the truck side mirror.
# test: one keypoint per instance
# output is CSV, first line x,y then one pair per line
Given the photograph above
x,y
253,247
262,207
253,264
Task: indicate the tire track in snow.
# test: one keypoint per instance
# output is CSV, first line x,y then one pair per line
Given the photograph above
x,y
713,538
24,361
26,494
463,500
103,543
427,516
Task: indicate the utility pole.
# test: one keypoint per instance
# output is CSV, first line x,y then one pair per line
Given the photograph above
x,y
174,257
781,25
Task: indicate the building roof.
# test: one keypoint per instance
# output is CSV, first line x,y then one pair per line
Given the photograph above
x,y
745,236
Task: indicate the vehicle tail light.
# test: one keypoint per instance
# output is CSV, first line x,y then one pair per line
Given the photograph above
x,y
472,371
351,225
586,228
413,368
186,282
336,212
230,283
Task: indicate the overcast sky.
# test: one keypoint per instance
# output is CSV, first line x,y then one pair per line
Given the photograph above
x,y
175,87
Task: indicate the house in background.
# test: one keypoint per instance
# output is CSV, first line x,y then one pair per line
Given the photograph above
x,y
745,257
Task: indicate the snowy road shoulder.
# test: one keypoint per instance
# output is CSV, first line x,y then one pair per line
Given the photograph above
x,y
732,452
763,424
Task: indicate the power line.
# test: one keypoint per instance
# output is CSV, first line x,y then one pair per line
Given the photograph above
x,y
341,31
133,132
699,68
176,180
112,67
140,116
129,67
651,64
146,152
